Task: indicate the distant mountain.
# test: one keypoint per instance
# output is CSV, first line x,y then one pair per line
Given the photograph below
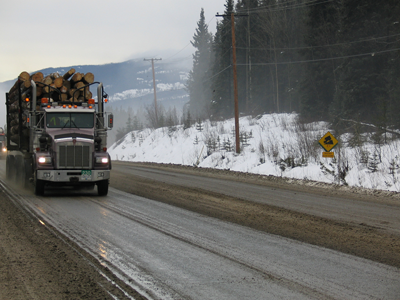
x,y
130,83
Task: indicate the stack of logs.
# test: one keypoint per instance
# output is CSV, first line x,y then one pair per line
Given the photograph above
x,y
56,87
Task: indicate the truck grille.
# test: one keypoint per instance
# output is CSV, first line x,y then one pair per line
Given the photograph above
x,y
74,157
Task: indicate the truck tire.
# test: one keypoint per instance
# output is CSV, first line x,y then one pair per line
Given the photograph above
x,y
20,171
10,167
102,187
28,171
39,186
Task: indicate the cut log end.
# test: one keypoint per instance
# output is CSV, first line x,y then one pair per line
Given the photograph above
x,y
88,78
37,77
24,76
58,82
77,77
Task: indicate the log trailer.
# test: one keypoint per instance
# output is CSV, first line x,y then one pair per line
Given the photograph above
x,y
57,143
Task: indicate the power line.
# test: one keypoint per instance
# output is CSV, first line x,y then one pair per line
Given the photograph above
x,y
178,52
323,59
265,7
306,61
279,7
205,80
328,45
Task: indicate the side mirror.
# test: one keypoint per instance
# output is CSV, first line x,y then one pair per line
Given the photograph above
x,y
110,120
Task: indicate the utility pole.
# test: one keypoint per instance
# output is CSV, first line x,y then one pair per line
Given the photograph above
x,y
154,85
235,87
248,61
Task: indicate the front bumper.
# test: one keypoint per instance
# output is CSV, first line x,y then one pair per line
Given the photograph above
x,y
73,176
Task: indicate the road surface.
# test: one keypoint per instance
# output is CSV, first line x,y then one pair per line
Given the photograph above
x,y
202,235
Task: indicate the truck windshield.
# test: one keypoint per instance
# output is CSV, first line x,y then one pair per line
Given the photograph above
x,y
69,120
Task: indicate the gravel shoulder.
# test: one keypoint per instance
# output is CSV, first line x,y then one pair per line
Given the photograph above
x,y
38,263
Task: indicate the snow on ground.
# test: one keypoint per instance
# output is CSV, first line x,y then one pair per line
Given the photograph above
x,y
274,144
136,93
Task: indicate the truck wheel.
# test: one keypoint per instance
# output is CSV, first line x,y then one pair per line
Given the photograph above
x,y
20,170
39,186
102,187
28,172
10,167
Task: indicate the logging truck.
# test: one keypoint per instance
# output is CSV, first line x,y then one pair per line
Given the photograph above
x,y
57,142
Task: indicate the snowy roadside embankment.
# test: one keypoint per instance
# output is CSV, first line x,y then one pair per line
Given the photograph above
x,y
275,144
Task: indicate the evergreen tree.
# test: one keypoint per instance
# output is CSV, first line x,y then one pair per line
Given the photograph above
x,y
392,11
222,96
353,70
319,83
362,77
136,123
279,31
129,124
245,32
198,84
120,134
331,60
187,121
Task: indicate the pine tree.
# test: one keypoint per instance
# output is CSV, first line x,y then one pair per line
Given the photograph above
x,y
136,123
362,77
129,124
278,30
120,134
187,122
311,59
354,71
222,95
319,84
246,39
198,84
392,11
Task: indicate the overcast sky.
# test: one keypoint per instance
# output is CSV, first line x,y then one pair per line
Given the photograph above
x,y
42,33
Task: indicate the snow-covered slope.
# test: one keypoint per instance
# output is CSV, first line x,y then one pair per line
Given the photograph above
x,y
275,144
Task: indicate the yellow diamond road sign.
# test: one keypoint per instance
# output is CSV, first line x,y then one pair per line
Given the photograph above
x,y
328,142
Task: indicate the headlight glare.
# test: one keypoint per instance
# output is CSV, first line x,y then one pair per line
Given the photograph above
x,y
102,160
44,160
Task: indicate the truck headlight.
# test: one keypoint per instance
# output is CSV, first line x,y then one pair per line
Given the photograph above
x,y
44,160
102,160
4,149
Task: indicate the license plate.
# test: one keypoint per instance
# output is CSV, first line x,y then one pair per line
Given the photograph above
x,y
86,175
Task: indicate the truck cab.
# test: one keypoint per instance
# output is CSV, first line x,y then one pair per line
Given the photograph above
x,y
69,152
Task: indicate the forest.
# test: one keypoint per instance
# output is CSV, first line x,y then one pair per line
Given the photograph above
x,y
327,60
